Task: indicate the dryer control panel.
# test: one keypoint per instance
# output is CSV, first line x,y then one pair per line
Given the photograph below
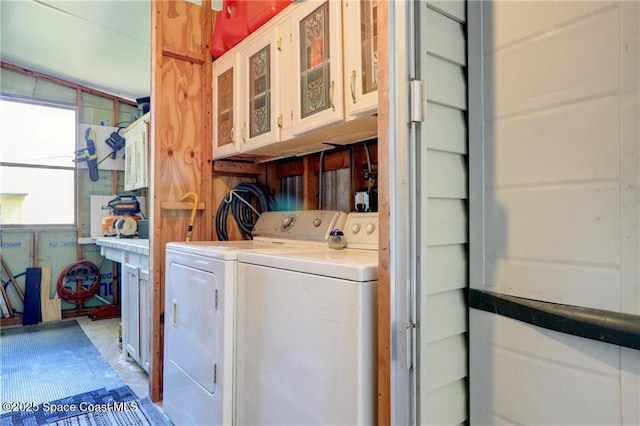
x,y
361,230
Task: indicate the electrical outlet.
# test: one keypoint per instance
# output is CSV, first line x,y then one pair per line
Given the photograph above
x,y
362,201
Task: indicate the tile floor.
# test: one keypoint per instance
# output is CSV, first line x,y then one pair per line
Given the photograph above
x,y
104,334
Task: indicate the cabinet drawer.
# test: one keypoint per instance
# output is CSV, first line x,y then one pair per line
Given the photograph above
x,y
116,255
139,260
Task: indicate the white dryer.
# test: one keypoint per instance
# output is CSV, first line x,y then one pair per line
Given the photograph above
x,y
200,288
306,332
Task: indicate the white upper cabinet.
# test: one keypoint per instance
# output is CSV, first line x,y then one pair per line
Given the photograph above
x,y
284,91
227,105
360,26
136,170
317,60
261,114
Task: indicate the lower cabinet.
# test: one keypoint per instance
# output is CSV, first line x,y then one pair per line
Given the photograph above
x,y
136,308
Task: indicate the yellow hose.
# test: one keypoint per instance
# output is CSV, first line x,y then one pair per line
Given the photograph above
x,y
193,212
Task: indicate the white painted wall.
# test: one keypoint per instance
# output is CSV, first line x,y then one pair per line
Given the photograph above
x,y
555,211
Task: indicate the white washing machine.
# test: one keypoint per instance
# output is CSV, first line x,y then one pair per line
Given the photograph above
x,y
200,287
306,332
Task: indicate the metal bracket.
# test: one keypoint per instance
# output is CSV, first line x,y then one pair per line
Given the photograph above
x,y
411,345
418,100
235,192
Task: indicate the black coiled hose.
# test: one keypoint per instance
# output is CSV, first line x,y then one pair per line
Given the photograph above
x,y
239,201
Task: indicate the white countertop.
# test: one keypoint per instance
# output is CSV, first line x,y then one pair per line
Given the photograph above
x,y
136,245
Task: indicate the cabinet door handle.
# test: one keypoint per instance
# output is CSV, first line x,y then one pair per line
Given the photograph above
x,y
353,86
333,86
174,312
244,131
233,134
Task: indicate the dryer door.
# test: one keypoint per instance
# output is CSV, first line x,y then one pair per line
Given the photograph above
x,y
193,322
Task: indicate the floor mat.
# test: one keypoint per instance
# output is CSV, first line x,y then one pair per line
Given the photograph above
x,y
118,406
70,406
144,414
46,362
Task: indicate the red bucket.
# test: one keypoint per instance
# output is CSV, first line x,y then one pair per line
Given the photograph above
x,y
260,11
238,19
230,27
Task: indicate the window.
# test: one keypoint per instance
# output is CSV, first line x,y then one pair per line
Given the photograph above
x,y
37,171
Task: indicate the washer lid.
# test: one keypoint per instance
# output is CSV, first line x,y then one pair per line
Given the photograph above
x,y
347,264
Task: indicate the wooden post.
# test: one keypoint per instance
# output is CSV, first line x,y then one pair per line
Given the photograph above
x,y
180,158
384,280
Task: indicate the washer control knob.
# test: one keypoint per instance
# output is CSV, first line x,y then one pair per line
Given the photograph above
x,y
370,228
355,228
287,221
317,222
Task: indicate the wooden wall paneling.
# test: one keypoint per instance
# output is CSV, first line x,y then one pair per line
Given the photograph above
x,y
384,270
334,160
269,176
187,38
180,143
183,167
222,185
237,168
292,168
310,181
206,138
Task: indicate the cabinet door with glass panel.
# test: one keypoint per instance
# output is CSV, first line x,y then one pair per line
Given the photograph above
x,y
318,83
226,105
260,60
361,57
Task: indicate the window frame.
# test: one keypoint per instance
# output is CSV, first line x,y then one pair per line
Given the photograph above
x,y
73,168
